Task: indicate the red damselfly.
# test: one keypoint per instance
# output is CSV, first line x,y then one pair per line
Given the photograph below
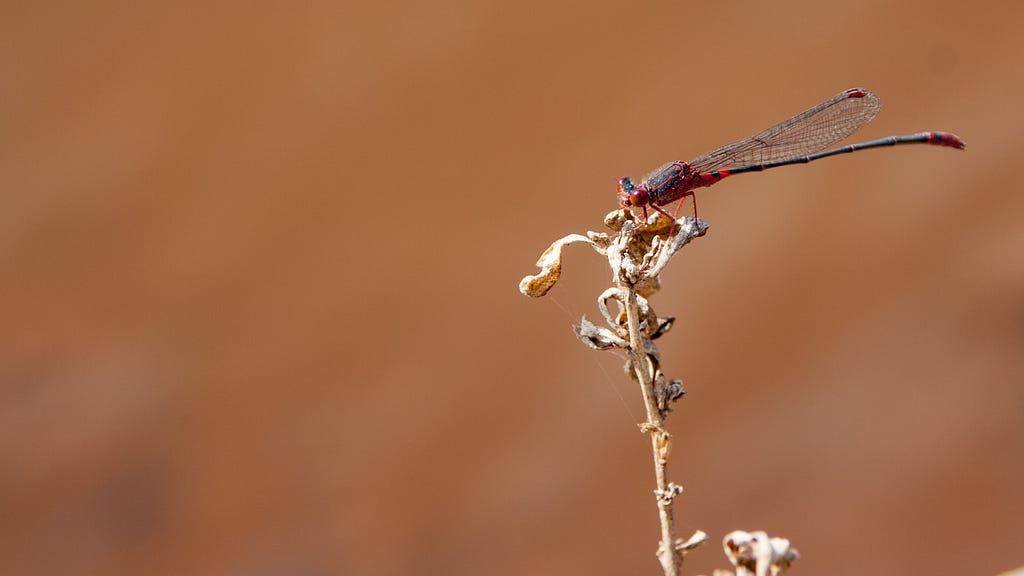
x,y
794,141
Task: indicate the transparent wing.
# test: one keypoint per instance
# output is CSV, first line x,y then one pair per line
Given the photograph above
x,y
801,135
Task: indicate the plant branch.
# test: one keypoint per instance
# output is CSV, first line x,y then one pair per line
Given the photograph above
x,y
637,253
661,442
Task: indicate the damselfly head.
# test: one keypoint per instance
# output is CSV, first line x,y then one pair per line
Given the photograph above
x,y
631,195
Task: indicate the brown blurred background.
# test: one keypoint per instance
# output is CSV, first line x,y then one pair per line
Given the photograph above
x,y
260,317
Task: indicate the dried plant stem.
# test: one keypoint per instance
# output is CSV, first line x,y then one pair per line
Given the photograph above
x,y
670,558
637,252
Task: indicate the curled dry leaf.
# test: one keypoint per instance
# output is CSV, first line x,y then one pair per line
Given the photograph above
x,y
662,326
550,263
617,320
598,337
667,392
698,538
688,230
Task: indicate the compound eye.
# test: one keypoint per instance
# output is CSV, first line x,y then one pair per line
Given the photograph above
x,y
639,197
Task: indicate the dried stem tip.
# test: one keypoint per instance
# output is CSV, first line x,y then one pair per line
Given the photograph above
x,y
637,254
